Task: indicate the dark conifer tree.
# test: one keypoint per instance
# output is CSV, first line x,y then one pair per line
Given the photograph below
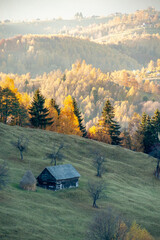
x,y
38,112
148,133
79,116
156,121
108,122
54,105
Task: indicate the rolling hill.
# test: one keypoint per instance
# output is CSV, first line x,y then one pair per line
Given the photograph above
x,y
44,53
132,189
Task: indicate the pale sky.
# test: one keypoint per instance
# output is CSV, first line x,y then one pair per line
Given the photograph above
x,y
49,9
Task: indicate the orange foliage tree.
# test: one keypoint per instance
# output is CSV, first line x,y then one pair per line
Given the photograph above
x,y
68,122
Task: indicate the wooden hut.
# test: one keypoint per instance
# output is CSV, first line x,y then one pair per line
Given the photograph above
x,y
58,177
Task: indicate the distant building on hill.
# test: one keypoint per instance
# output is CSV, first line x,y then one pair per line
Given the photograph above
x,y
58,177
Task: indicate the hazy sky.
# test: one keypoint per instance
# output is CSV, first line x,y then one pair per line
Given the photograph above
x,y
32,9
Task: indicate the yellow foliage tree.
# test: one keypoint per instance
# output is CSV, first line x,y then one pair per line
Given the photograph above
x,y
138,233
9,83
54,115
100,134
68,122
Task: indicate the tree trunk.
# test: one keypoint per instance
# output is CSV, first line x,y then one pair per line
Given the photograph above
x,y
94,204
21,153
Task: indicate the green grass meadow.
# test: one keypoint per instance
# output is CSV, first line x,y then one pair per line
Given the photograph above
x,y
132,190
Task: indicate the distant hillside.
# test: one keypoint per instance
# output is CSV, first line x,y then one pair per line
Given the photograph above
x,y
141,48
10,29
132,189
120,27
109,29
39,54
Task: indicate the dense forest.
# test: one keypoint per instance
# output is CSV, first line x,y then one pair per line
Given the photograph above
x,y
129,91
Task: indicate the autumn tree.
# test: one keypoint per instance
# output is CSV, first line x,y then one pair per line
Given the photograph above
x,y
107,226
39,114
9,105
150,66
68,121
54,112
126,139
136,232
111,226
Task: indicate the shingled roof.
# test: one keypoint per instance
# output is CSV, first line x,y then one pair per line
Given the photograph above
x,y
61,172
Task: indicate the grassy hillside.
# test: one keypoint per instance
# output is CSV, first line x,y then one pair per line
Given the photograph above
x,y
44,214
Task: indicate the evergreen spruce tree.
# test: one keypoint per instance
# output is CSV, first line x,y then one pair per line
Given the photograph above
x,y
38,112
148,133
107,122
156,121
79,116
54,105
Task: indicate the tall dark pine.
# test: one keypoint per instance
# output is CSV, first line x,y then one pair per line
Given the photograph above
x,y
109,123
156,121
38,112
54,105
148,132
79,116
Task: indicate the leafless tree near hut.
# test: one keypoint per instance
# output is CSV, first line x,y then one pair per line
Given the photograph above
x,y
98,163
96,191
21,144
3,174
55,155
106,226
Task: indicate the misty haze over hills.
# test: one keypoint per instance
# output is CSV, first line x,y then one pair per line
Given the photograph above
x,y
120,42
20,10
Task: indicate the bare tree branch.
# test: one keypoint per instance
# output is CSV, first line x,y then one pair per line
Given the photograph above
x,y
96,191
21,145
106,226
98,163
55,155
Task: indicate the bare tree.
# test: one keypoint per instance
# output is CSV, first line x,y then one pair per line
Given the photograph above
x,y
3,174
96,191
21,145
98,163
107,226
55,155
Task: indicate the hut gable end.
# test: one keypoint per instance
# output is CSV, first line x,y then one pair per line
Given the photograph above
x,y
46,176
